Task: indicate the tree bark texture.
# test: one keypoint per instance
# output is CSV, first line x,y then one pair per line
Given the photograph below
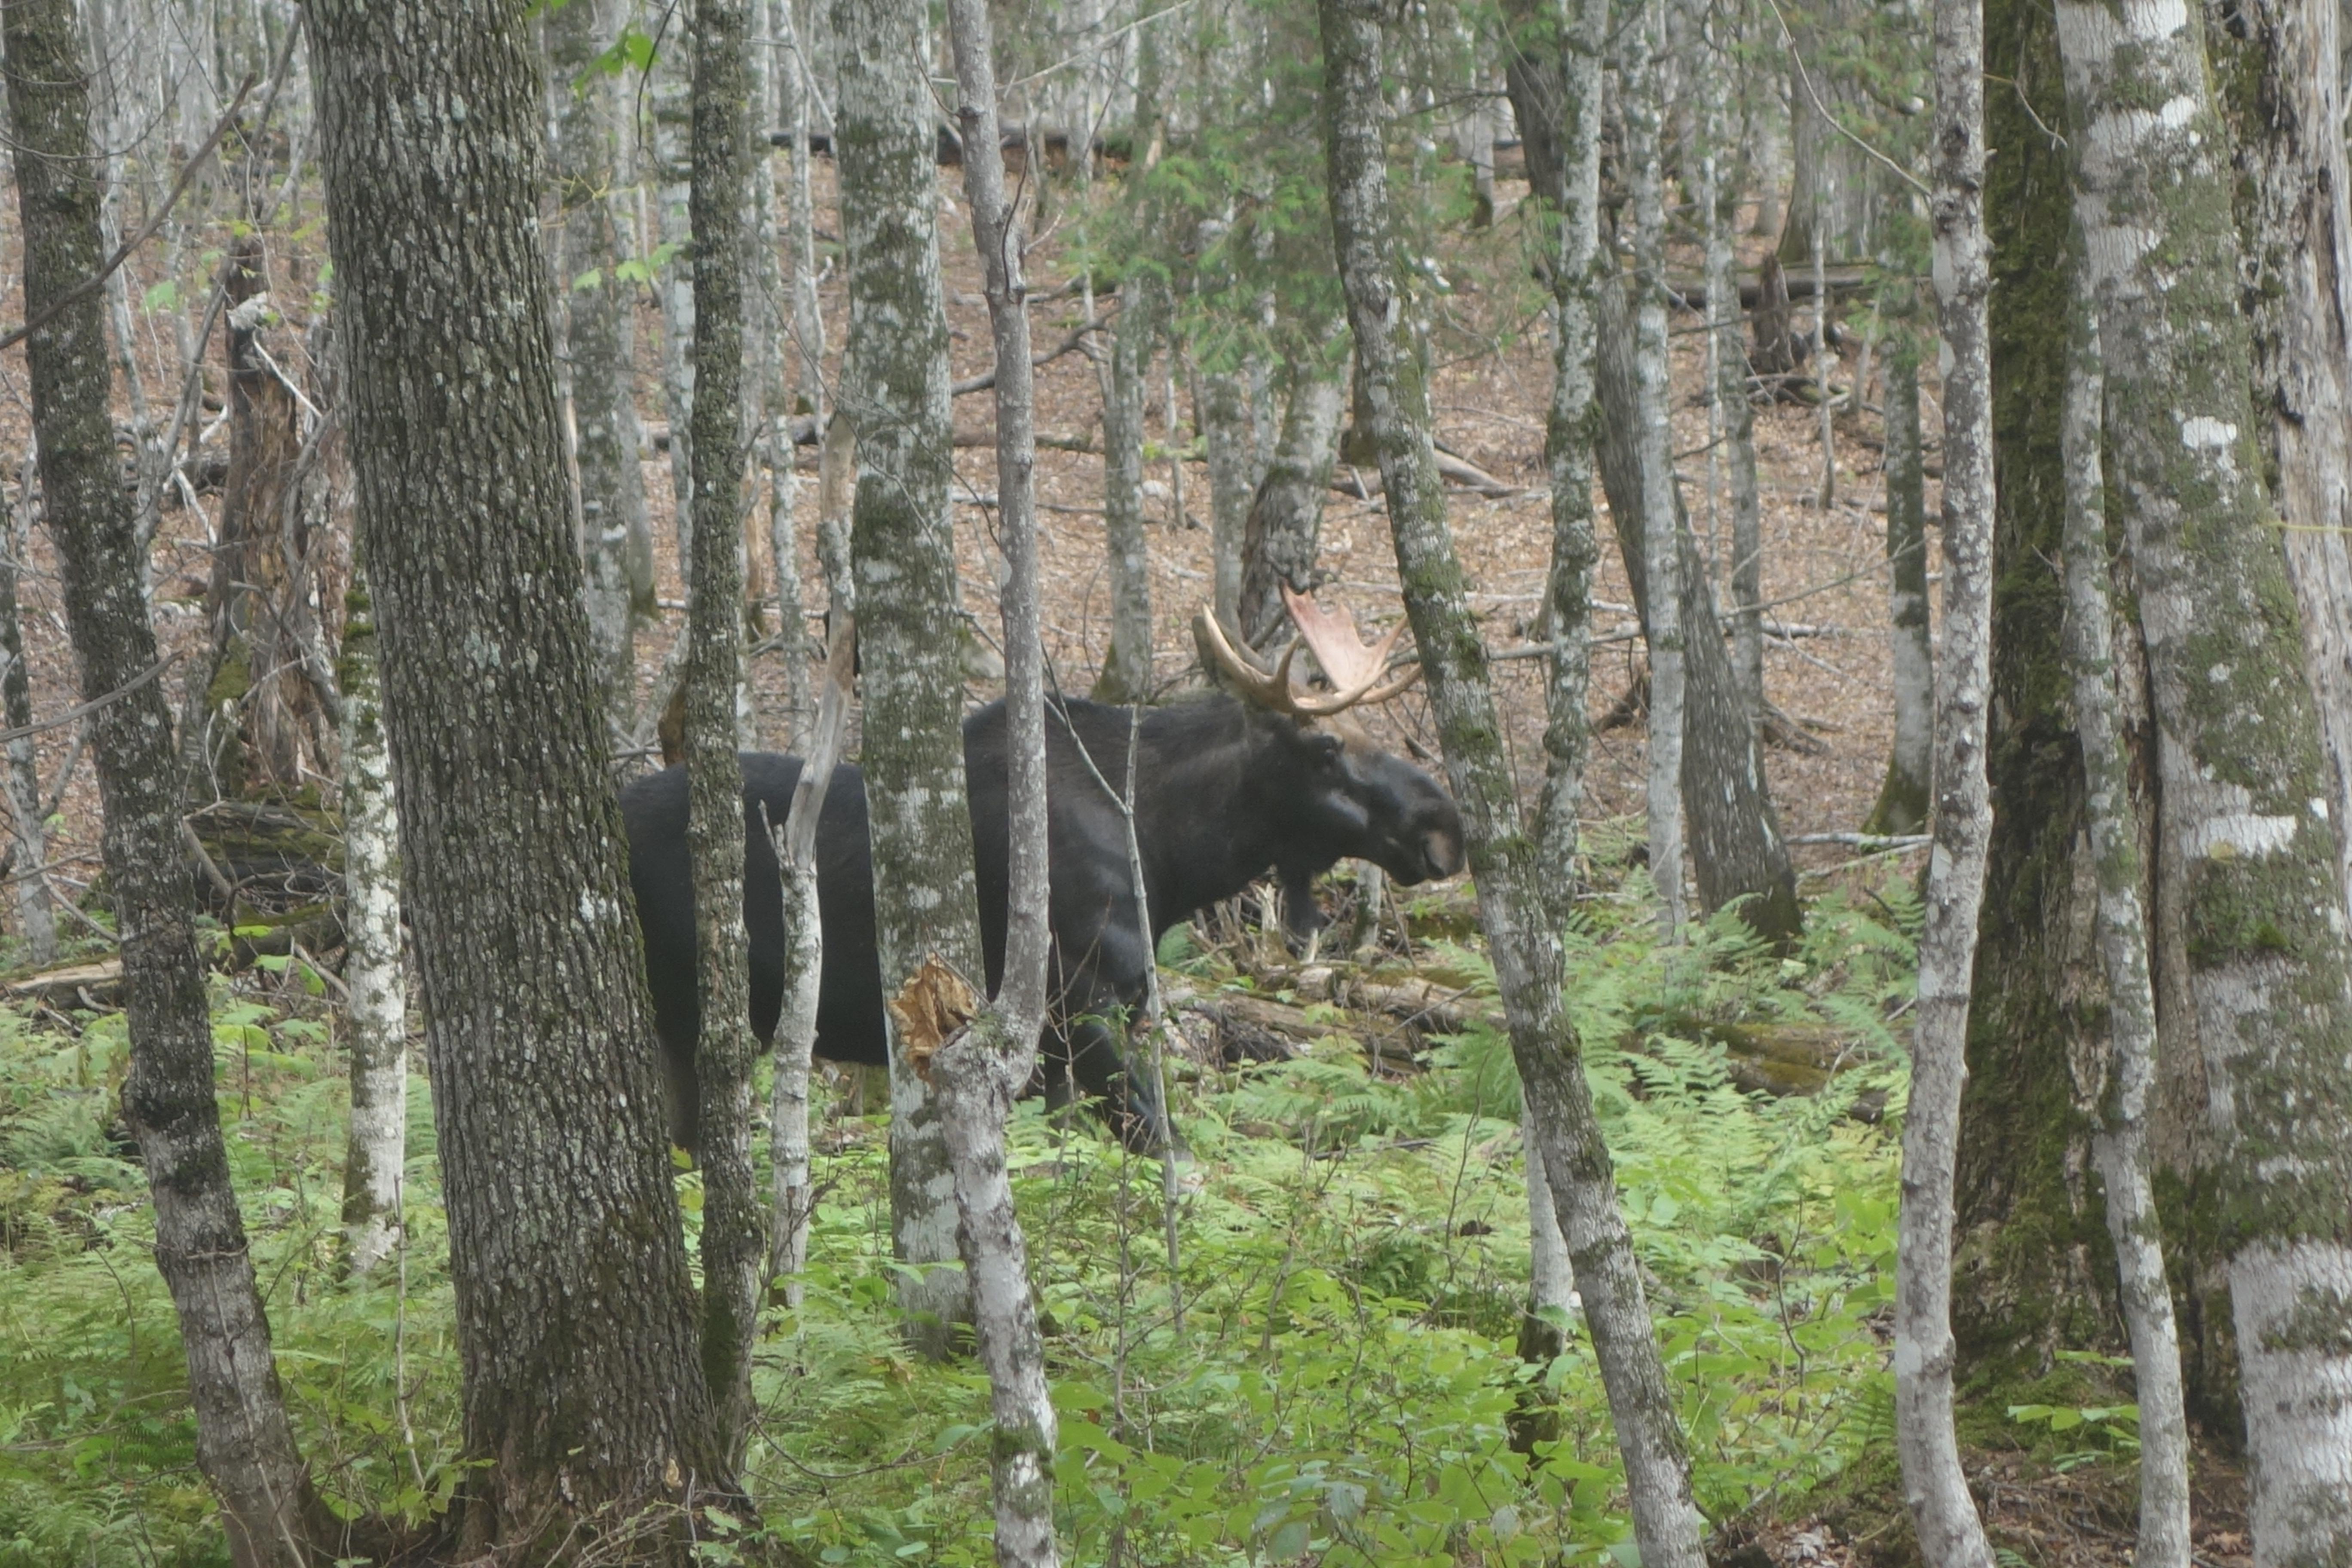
x,y
378,1041
583,1392
666,143
244,1444
1126,663
979,1075
1735,420
2121,1146
734,1240
2279,66
2240,744
1226,430
599,343
1281,533
1525,951
1735,835
1556,90
1640,89
893,389
2030,1269
775,268
36,922
1934,1488
1903,799
792,92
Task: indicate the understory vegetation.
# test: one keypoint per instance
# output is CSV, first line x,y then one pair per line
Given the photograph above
x,y
1330,1371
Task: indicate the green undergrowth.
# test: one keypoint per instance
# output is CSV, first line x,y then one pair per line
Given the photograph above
x,y
1351,1253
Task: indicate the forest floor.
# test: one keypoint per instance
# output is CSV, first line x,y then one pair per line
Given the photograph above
x,y
1327,1369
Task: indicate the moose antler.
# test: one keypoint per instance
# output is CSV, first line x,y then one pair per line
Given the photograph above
x,y
1353,667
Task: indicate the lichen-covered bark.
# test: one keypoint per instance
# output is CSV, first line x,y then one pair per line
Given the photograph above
x,y
663,144
1284,526
584,1395
1525,950
978,1076
894,391
2278,69
1903,799
36,922
734,1241
2245,773
1640,88
244,1444
598,343
1126,663
2129,1070
1555,88
1736,848
378,1040
1935,1490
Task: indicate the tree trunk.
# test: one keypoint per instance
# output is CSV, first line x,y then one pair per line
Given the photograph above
x,y
575,1312
1934,1488
2030,1278
378,1149
29,861
599,346
980,1075
1556,90
807,317
1225,425
1639,94
1126,664
1735,835
244,1444
2281,67
1286,516
775,269
2244,774
2121,1146
671,172
894,388
1735,420
1526,952
734,1242
1903,799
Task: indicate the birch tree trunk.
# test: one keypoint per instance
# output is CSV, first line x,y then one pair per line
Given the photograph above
x,y
774,269
894,390
1903,799
2284,93
979,1075
1934,1488
734,1241
2239,745
599,341
583,1396
1281,534
1736,851
2121,1146
1126,664
672,179
378,1148
1556,90
1639,92
1526,952
244,1444
36,923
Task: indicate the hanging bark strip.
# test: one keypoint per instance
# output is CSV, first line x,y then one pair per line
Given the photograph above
x,y
378,1146
2121,1146
1936,1490
2239,745
894,390
734,1235
979,1075
583,1394
244,1443
1526,952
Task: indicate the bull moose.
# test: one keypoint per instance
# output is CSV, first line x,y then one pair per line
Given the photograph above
x,y
1225,790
